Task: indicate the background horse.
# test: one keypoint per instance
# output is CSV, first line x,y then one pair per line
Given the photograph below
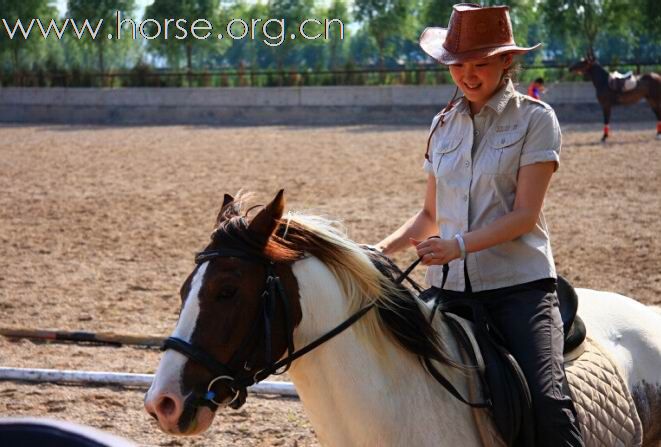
x,y
268,284
648,86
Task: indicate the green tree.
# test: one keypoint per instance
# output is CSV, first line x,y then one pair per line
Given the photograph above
x,y
241,52
437,13
25,11
580,22
385,21
293,12
651,17
337,10
176,43
94,11
646,30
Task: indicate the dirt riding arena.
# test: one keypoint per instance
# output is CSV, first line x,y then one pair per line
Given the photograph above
x,y
98,227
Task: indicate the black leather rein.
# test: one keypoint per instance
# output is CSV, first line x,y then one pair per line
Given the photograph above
x,y
238,382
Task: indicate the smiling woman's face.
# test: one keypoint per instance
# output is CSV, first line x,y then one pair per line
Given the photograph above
x,y
479,79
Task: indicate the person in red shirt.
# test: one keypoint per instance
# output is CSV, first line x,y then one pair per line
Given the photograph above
x,y
536,88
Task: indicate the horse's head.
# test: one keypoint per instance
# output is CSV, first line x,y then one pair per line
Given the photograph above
x,y
239,307
242,310
584,65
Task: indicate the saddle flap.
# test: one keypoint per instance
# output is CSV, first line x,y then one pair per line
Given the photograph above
x,y
568,301
503,381
622,82
573,326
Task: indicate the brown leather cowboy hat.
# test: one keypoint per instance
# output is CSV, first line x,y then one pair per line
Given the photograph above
x,y
473,33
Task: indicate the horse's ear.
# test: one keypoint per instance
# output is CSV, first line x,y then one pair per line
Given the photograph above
x,y
266,221
228,201
590,55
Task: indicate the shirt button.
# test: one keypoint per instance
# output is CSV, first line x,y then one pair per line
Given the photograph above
x,y
476,133
465,198
467,163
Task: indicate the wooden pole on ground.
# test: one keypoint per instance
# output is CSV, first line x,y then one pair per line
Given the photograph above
x,y
100,378
109,338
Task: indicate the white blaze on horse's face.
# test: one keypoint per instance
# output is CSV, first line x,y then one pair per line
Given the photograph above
x,y
165,399
191,309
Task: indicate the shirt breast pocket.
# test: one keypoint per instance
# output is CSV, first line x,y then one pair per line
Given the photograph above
x,y
503,152
446,155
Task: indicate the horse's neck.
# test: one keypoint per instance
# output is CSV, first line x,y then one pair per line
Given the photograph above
x,y
599,76
354,396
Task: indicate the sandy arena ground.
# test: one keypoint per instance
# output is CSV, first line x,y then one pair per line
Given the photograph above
x,y
98,227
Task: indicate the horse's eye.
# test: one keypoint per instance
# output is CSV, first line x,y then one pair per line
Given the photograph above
x,y
226,292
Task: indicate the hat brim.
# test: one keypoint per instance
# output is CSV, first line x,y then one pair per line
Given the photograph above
x,y
432,39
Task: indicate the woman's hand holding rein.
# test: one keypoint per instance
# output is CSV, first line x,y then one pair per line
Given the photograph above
x,y
437,251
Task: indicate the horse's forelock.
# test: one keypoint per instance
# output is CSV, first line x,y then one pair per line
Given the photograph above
x,y
234,231
235,206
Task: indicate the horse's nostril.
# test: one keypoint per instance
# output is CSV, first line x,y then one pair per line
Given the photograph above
x,y
166,406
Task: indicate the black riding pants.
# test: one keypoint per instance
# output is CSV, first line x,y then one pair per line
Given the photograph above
x,y
528,319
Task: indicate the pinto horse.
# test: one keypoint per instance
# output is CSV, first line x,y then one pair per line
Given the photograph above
x,y
648,86
265,291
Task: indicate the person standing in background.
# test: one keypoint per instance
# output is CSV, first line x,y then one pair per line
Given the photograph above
x,y
536,88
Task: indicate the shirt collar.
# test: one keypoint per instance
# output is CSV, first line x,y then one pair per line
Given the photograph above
x,y
499,100
462,106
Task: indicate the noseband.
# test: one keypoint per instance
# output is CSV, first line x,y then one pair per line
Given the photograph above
x,y
239,381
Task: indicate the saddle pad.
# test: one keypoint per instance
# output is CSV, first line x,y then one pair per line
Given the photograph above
x,y
630,84
605,408
621,84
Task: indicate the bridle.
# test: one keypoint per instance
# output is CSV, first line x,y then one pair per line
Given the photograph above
x,y
238,381
586,65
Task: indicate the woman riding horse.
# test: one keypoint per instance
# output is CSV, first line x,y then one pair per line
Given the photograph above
x,y
270,291
489,160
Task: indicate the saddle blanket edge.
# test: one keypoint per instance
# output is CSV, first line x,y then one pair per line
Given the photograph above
x,y
594,380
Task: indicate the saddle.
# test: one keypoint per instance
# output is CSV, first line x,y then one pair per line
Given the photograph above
x,y
622,82
502,379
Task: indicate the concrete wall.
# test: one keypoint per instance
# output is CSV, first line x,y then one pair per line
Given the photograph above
x,y
574,102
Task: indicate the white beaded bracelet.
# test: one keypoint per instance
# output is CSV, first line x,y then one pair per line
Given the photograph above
x,y
462,246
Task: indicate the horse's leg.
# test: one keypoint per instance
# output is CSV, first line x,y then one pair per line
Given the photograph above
x,y
607,118
656,107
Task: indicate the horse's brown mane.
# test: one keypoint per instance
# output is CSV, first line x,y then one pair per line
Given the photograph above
x,y
290,242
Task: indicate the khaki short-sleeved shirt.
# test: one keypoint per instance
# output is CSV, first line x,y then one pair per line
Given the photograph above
x,y
476,163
